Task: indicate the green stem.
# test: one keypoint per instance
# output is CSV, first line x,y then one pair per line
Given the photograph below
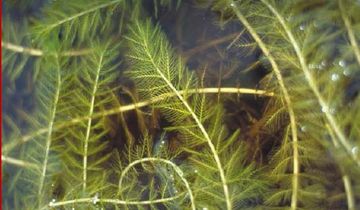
x,y
312,83
199,124
50,129
39,53
288,103
134,106
350,31
17,162
70,18
88,128
349,192
112,201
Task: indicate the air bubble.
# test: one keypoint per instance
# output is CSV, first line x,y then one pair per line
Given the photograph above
x,y
335,77
342,63
303,128
204,208
52,202
355,150
313,66
95,199
323,64
196,171
162,142
302,27
325,109
232,4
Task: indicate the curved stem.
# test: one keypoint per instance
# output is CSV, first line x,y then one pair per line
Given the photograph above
x,y
175,167
112,201
288,103
198,123
350,31
311,82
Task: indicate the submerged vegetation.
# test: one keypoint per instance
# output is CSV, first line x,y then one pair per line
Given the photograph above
x,y
160,104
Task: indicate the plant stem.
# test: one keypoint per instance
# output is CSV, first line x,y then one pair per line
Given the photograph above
x,y
346,179
208,44
39,53
88,128
349,192
311,82
112,201
50,129
137,105
199,124
288,103
101,6
178,171
353,42
17,162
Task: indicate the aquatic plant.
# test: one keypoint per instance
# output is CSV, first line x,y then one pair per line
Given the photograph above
x,y
101,111
313,51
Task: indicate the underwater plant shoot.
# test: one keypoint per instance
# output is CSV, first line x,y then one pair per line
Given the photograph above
x,y
181,104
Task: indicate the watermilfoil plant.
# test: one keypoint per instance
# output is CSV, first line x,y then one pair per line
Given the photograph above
x,y
103,110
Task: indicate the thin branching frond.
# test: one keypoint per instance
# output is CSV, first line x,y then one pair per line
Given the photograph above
x,y
147,172
299,37
245,185
84,130
41,152
17,65
75,20
87,140
156,70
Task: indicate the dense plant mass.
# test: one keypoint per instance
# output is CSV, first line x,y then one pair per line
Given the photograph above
x,y
161,104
